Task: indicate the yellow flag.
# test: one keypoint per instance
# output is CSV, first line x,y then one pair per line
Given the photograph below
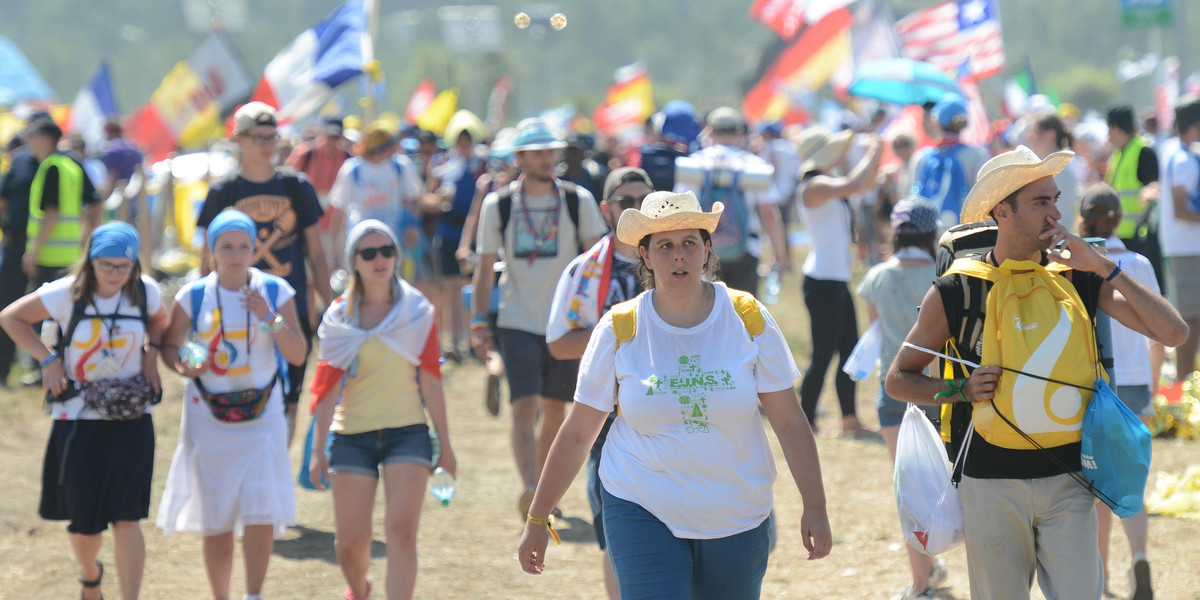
x,y
439,112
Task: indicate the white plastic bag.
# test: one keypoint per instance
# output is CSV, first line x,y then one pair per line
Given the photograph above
x,y
865,356
930,514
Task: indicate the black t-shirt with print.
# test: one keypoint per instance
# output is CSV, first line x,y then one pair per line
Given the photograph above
x,y
279,246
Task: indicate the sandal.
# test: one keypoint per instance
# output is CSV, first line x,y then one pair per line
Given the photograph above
x,y
95,583
350,593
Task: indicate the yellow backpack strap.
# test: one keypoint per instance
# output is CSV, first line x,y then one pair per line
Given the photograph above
x,y
747,308
624,318
972,268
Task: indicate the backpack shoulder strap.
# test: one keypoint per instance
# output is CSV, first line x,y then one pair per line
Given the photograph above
x,y
65,336
197,298
624,317
143,307
571,191
504,203
747,309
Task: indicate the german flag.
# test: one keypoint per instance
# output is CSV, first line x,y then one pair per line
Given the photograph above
x,y
804,65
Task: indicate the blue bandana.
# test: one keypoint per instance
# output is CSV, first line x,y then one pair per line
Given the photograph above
x,y
230,220
114,240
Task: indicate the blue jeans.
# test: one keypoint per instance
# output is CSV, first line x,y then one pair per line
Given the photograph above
x,y
650,562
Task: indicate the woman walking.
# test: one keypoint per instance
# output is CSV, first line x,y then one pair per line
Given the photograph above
x,y
379,345
230,474
687,470
101,380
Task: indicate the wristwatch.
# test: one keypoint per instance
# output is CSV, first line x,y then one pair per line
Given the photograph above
x,y
273,323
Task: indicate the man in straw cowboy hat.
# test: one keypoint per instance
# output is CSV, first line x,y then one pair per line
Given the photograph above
x,y
1021,509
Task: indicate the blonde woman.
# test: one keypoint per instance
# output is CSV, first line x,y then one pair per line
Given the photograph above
x,y
230,474
379,347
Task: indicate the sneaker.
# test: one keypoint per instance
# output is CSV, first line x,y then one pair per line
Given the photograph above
x,y
908,594
492,399
1139,580
939,574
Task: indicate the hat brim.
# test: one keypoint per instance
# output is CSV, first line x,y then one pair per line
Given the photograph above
x,y
1001,182
634,225
540,146
825,155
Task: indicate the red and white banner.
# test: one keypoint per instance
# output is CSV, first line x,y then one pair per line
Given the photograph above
x,y
420,100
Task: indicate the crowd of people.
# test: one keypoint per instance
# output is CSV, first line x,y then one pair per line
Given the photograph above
x,y
613,285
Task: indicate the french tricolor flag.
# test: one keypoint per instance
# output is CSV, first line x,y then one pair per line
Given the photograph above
x,y
92,106
301,78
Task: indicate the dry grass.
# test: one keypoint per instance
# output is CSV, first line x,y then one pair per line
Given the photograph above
x,y
468,549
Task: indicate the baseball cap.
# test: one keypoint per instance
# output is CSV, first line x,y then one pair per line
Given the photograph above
x,y
252,114
332,125
623,175
949,109
1100,199
914,216
725,119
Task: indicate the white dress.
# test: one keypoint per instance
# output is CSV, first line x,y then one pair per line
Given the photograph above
x,y
225,476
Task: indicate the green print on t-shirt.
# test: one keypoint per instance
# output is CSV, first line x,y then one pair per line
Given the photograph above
x,y
689,386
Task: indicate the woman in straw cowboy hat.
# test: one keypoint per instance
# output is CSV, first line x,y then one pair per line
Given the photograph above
x,y
687,470
826,269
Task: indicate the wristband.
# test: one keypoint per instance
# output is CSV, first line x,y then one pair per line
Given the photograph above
x,y
1115,272
549,523
153,345
49,359
273,323
479,321
955,386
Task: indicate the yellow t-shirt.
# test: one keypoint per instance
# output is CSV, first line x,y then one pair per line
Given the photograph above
x,y
384,395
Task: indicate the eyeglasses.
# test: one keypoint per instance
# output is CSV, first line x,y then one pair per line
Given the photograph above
x,y
369,254
262,139
108,268
628,202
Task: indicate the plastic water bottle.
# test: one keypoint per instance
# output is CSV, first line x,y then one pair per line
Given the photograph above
x,y
193,355
441,485
773,286
338,281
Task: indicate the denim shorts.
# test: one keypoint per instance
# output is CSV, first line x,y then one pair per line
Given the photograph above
x,y
891,411
362,453
1137,398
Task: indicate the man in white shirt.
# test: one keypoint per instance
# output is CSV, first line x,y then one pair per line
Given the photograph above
x,y
1180,232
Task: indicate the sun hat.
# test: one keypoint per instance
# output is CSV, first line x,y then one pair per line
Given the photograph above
x,y
621,176
951,108
1100,199
251,114
1006,173
820,149
535,134
914,216
666,211
114,240
230,220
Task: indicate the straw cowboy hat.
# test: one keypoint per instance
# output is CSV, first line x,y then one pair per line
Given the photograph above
x,y
1006,173
666,211
820,149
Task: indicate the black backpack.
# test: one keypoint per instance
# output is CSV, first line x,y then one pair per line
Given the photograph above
x,y
77,315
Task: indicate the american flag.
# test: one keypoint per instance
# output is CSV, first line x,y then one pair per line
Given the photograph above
x,y
950,33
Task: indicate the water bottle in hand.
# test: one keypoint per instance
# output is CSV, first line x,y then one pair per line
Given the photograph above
x,y
338,281
193,355
772,288
441,485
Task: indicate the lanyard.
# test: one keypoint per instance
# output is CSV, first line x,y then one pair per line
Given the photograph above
x,y
231,351
539,237
111,325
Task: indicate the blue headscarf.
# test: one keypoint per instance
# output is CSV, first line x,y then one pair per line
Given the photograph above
x,y
230,220
114,240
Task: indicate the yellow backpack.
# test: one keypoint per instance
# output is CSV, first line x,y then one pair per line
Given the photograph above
x,y
624,316
1038,330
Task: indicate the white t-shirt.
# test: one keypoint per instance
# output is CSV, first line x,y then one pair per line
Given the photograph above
x,y
1131,350
689,444
829,227
531,271
236,366
721,154
98,342
382,191
1179,238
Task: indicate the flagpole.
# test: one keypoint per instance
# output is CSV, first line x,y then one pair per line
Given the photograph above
x,y
371,70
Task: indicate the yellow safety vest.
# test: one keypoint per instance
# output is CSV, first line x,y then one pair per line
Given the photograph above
x,y
1122,175
63,244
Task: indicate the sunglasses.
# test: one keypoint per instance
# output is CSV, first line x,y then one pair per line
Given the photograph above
x,y
369,254
628,202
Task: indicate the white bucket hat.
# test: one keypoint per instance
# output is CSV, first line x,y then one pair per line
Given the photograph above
x,y
667,211
1006,173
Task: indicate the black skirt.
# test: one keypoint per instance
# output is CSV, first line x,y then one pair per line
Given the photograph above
x,y
98,472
